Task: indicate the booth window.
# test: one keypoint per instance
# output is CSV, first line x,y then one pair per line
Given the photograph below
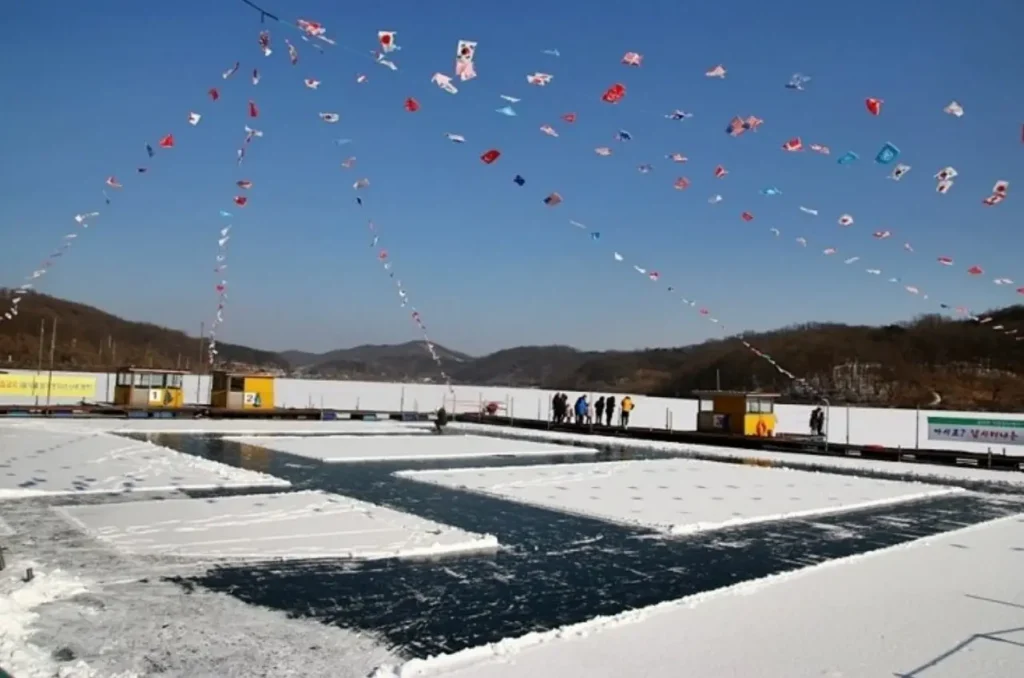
x,y
220,381
124,378
237,384
760,406
707,405
174,380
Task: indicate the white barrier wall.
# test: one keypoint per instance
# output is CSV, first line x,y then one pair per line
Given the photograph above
x,y
856,425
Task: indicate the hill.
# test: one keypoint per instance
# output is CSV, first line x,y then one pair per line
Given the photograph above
x,y
894,365
91,339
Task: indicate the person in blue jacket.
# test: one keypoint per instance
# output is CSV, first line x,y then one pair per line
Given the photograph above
x,y
581,409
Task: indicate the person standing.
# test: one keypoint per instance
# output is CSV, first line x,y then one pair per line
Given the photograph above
x,y
814,420
609,410
599,411
627,407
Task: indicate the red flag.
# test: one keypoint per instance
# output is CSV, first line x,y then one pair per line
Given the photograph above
x,y
214,94
241,200
253,111
975,270
794,144
747,216
720,172
614,94
490,156
412,105
167,141
244,184
873,105
946,261
681,184
569,117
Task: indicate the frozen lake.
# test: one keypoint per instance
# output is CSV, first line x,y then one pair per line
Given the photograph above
x,y
337,449
297,525
922,609
678,496
56,460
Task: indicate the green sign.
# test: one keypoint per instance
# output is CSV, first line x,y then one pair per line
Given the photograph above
x,y
976,430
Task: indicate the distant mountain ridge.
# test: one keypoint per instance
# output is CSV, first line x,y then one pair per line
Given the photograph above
x,y
896,365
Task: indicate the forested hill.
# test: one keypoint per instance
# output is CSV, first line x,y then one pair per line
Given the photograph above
x,y
970,366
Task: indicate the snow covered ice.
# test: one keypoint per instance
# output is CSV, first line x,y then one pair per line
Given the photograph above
x,y
296,525
791,459
57,460
337,449
678,496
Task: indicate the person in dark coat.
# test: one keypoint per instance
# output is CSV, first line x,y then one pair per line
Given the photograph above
x,y
814,420
609,409
599,410
441,420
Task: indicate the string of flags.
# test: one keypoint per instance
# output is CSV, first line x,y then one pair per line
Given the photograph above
x,y
83,220
387,44
738,126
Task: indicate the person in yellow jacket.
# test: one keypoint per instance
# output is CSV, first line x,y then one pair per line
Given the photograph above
x,y
626,408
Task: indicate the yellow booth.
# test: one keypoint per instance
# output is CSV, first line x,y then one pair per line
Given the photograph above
x,y
145,387
242,391
736,412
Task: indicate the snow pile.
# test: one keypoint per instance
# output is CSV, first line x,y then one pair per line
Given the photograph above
x,y
296,525
53,460
679,496
913,609
18,602
795,459
358,448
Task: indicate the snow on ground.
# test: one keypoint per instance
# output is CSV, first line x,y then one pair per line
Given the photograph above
x,y
39,460
795,459
394,448
296,525
130,620
19,601
678,496
943,607
224,426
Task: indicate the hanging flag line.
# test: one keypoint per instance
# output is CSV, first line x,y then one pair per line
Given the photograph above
x,y
961,311
464,64
84,220
240,201
465,70
386,261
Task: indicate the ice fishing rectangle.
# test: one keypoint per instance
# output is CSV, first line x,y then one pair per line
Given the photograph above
x,y
343,448
41,460
678,496
296,525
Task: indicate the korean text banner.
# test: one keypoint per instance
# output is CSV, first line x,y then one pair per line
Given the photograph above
x,y
30,386
968,430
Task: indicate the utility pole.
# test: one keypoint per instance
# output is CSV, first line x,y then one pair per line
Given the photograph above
x,y
39,365
53,350
202,331
718,379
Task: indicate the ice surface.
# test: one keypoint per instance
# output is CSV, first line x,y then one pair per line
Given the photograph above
x,y
393,448
948,606
907,469
39,460
294,525
678,496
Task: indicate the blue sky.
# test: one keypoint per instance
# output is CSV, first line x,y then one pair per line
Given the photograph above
x,y
487,264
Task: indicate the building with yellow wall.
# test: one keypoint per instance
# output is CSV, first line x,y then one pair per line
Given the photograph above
x,y
149,388
736,412
242,391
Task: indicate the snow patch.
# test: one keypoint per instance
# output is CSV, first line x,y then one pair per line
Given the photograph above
x,y
296,525
679,496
